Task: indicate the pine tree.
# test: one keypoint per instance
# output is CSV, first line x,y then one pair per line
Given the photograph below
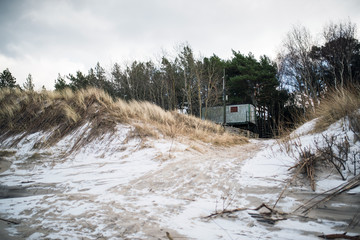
x,y
29,85
79,81
7,79
60,83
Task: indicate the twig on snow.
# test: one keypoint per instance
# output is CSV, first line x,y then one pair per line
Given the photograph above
x,y
340,236
9,221
263,205
354,182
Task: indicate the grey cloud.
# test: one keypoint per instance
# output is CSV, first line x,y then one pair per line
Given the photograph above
x,y
87,31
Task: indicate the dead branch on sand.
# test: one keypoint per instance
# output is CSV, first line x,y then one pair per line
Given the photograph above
x,y
270,217
354,182
263,205
225,212
307,163
288,184
340,236
9,221
169,236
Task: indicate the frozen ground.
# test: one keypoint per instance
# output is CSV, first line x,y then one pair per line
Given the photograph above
x,y
121,187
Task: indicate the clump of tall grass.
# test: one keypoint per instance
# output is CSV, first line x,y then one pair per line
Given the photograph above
x,y
336,105
64,111
27,112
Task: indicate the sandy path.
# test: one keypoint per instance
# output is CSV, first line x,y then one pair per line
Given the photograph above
x,y
201,178
143,205
178,183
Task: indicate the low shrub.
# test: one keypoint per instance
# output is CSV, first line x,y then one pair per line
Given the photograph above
x,y
336,105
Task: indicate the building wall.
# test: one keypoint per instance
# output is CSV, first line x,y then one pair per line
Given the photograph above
x,y
235,114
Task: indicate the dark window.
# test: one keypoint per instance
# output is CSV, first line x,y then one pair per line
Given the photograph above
x,y
233,109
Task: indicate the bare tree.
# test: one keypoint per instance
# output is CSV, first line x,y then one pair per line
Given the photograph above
x,y
212,82
170,77
199,73
338,51
297,66
121,83
187,61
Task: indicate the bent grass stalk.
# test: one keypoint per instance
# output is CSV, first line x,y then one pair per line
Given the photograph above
x,y
63,112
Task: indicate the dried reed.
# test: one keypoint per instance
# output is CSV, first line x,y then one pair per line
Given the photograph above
x,y
62,112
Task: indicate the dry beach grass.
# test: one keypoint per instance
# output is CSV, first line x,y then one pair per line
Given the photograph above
x,y
119,185
336,105
62,112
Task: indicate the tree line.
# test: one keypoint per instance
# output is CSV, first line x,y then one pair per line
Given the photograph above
x,y
310,68
190,83
183,82
294,83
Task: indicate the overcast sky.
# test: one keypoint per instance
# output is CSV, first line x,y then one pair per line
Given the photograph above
x,y
47,37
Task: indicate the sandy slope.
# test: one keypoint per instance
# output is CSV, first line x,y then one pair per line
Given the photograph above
x,y
112,188
181,182
121,188
137,208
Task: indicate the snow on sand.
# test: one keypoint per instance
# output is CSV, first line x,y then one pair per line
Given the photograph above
x,y
118,187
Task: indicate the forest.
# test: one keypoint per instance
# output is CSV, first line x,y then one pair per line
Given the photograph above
x,y
282,89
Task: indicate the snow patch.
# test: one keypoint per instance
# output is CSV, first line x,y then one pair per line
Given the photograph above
x,y
118,187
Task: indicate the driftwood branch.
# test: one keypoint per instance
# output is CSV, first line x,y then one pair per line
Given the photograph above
x,y
288,184
169,236
226,212
9,221
243,209
265,206
338,190
340,236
